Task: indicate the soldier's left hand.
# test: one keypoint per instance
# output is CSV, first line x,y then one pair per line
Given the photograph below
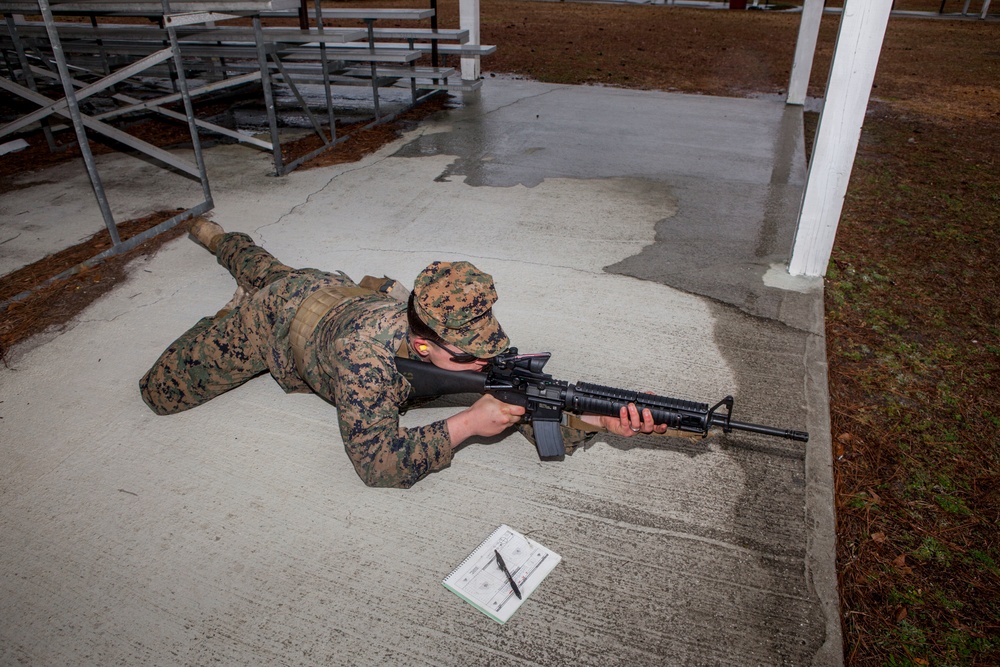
x,y
629,422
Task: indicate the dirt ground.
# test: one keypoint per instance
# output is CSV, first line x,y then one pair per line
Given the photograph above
x,y
912,292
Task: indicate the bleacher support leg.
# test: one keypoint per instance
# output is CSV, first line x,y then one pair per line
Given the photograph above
x,y
265,83
28,78
199,159
371,46
74,113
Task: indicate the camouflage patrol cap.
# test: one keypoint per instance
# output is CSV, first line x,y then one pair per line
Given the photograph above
x,y
456,299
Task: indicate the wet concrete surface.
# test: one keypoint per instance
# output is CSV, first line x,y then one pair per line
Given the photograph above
x,y
638,236
740,200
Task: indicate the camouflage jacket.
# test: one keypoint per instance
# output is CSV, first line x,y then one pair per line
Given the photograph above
x,y
349,362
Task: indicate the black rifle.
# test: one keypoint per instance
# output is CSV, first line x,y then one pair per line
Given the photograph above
x,y
518,379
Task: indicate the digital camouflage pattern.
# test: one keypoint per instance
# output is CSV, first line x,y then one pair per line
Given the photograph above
x,y
348,359
456,299
349,363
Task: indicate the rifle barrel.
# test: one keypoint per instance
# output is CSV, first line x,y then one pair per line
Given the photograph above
x,y
800,436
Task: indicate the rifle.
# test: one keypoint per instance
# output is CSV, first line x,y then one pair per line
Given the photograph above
x,y
518,379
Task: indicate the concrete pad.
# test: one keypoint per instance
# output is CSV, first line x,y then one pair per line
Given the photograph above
x,y
636,236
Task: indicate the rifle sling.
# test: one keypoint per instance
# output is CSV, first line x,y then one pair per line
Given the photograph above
x,y
575,421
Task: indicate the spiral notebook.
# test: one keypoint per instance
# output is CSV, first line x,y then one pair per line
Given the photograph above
x,y
481,582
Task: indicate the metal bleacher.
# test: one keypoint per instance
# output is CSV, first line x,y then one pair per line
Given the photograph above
x,y
223,55
141,57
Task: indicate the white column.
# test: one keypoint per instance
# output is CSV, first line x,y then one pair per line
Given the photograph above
x,y
859,42
805,49
468,19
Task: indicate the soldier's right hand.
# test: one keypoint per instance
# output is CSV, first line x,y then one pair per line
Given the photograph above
x,y
487,417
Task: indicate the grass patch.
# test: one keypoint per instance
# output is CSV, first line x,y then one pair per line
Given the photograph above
x,y
912,306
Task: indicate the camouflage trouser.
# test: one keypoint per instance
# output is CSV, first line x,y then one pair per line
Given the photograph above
x,y
218,354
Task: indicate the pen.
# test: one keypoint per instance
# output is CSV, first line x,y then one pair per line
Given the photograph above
x,y
510,579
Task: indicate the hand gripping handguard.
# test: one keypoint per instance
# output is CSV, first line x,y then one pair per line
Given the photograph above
x,y
518,379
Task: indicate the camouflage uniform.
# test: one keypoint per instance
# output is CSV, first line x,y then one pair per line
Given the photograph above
x,y
350,363
347,360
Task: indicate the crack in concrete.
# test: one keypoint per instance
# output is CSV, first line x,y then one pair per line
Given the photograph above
x,y
309,197
493,258
544,93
